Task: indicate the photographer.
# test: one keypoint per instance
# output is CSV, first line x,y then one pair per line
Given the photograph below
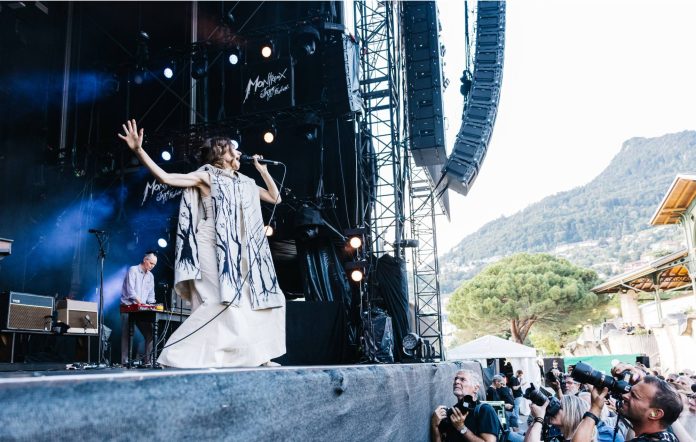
x,y
567,417
468,420
651,406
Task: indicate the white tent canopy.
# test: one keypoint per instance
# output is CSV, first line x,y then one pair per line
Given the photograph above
x,y
488,347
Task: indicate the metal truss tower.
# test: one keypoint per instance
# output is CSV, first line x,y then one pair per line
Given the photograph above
x,y
424,266
376,25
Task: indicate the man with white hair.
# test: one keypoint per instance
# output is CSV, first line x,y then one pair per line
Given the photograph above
x,y
479,425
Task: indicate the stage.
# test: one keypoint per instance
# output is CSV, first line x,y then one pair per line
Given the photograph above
x,y
338,403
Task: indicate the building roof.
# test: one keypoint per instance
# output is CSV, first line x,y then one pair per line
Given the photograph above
x,y
669,271
677,201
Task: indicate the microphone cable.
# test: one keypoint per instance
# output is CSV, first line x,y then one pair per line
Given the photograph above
x,y
239,294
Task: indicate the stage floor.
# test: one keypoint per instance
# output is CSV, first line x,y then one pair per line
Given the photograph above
x,y
303,403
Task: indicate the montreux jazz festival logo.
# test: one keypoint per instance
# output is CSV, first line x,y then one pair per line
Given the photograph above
x,y
159,192
267,88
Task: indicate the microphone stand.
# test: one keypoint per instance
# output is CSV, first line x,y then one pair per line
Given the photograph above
x,y
100,321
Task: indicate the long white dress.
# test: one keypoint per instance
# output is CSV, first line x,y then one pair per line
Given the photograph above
x,y
237,337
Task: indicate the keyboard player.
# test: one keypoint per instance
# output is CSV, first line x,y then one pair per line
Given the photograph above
x,y
138,288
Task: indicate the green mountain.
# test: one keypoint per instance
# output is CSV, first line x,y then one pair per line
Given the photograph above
x,y
603,225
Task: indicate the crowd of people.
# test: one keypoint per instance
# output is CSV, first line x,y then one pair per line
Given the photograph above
x,y
651,407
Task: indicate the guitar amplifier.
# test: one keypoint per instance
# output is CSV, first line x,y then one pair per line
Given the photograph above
x,y
81,316
24,311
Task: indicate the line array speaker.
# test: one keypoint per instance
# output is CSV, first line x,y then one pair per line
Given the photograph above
x,y
481,105
424,83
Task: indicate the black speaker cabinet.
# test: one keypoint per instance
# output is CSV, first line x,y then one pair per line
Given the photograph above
x,y
645,360
24,311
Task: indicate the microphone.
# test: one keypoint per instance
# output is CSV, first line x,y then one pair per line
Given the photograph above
x,y
246,159
96,231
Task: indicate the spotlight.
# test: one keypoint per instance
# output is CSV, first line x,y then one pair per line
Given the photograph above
x,y
162,242
270,228
168,71
269,135
356,270
407,243
139,76
355,242
168,152
411,343
356,275
142,53
199,62
309,127
305,41
356,237
233,56
267,49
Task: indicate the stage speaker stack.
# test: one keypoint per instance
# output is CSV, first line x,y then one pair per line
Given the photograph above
x,y
24,311
81,316
481,98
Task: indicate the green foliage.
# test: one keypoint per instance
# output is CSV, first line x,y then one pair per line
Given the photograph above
x,y
546,342
522,290
616,205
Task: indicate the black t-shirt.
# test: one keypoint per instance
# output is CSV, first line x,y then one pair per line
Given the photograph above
x,y
482,420
505,394
492,394
661,436
514,382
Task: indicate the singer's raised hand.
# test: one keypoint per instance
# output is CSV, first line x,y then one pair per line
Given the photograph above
x,y
132,137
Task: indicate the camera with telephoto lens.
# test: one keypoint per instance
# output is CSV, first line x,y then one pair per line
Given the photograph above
x,y
465,405
539,398
585,374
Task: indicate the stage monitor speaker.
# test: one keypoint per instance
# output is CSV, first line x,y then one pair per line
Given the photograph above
x,y
645,360
24,311
81,316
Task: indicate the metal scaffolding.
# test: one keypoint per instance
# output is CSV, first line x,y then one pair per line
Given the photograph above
x,y
424,266
377,27
375,23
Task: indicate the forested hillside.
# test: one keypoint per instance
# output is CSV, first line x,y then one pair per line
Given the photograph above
x,y
603,225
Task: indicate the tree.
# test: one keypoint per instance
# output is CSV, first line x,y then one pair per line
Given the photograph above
x,y
525,290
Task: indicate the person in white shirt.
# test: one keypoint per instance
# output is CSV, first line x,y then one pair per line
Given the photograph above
x,y
138,288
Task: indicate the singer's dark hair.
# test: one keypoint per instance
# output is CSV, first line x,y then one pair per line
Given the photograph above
x,y
213,149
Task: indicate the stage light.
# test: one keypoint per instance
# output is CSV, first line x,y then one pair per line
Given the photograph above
x,y
356,270
356,275
306,41
168,72
168,152
139,76
309,126
199,62
269,135
411,343
355,237
233,56
162,242
355,242
267,48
